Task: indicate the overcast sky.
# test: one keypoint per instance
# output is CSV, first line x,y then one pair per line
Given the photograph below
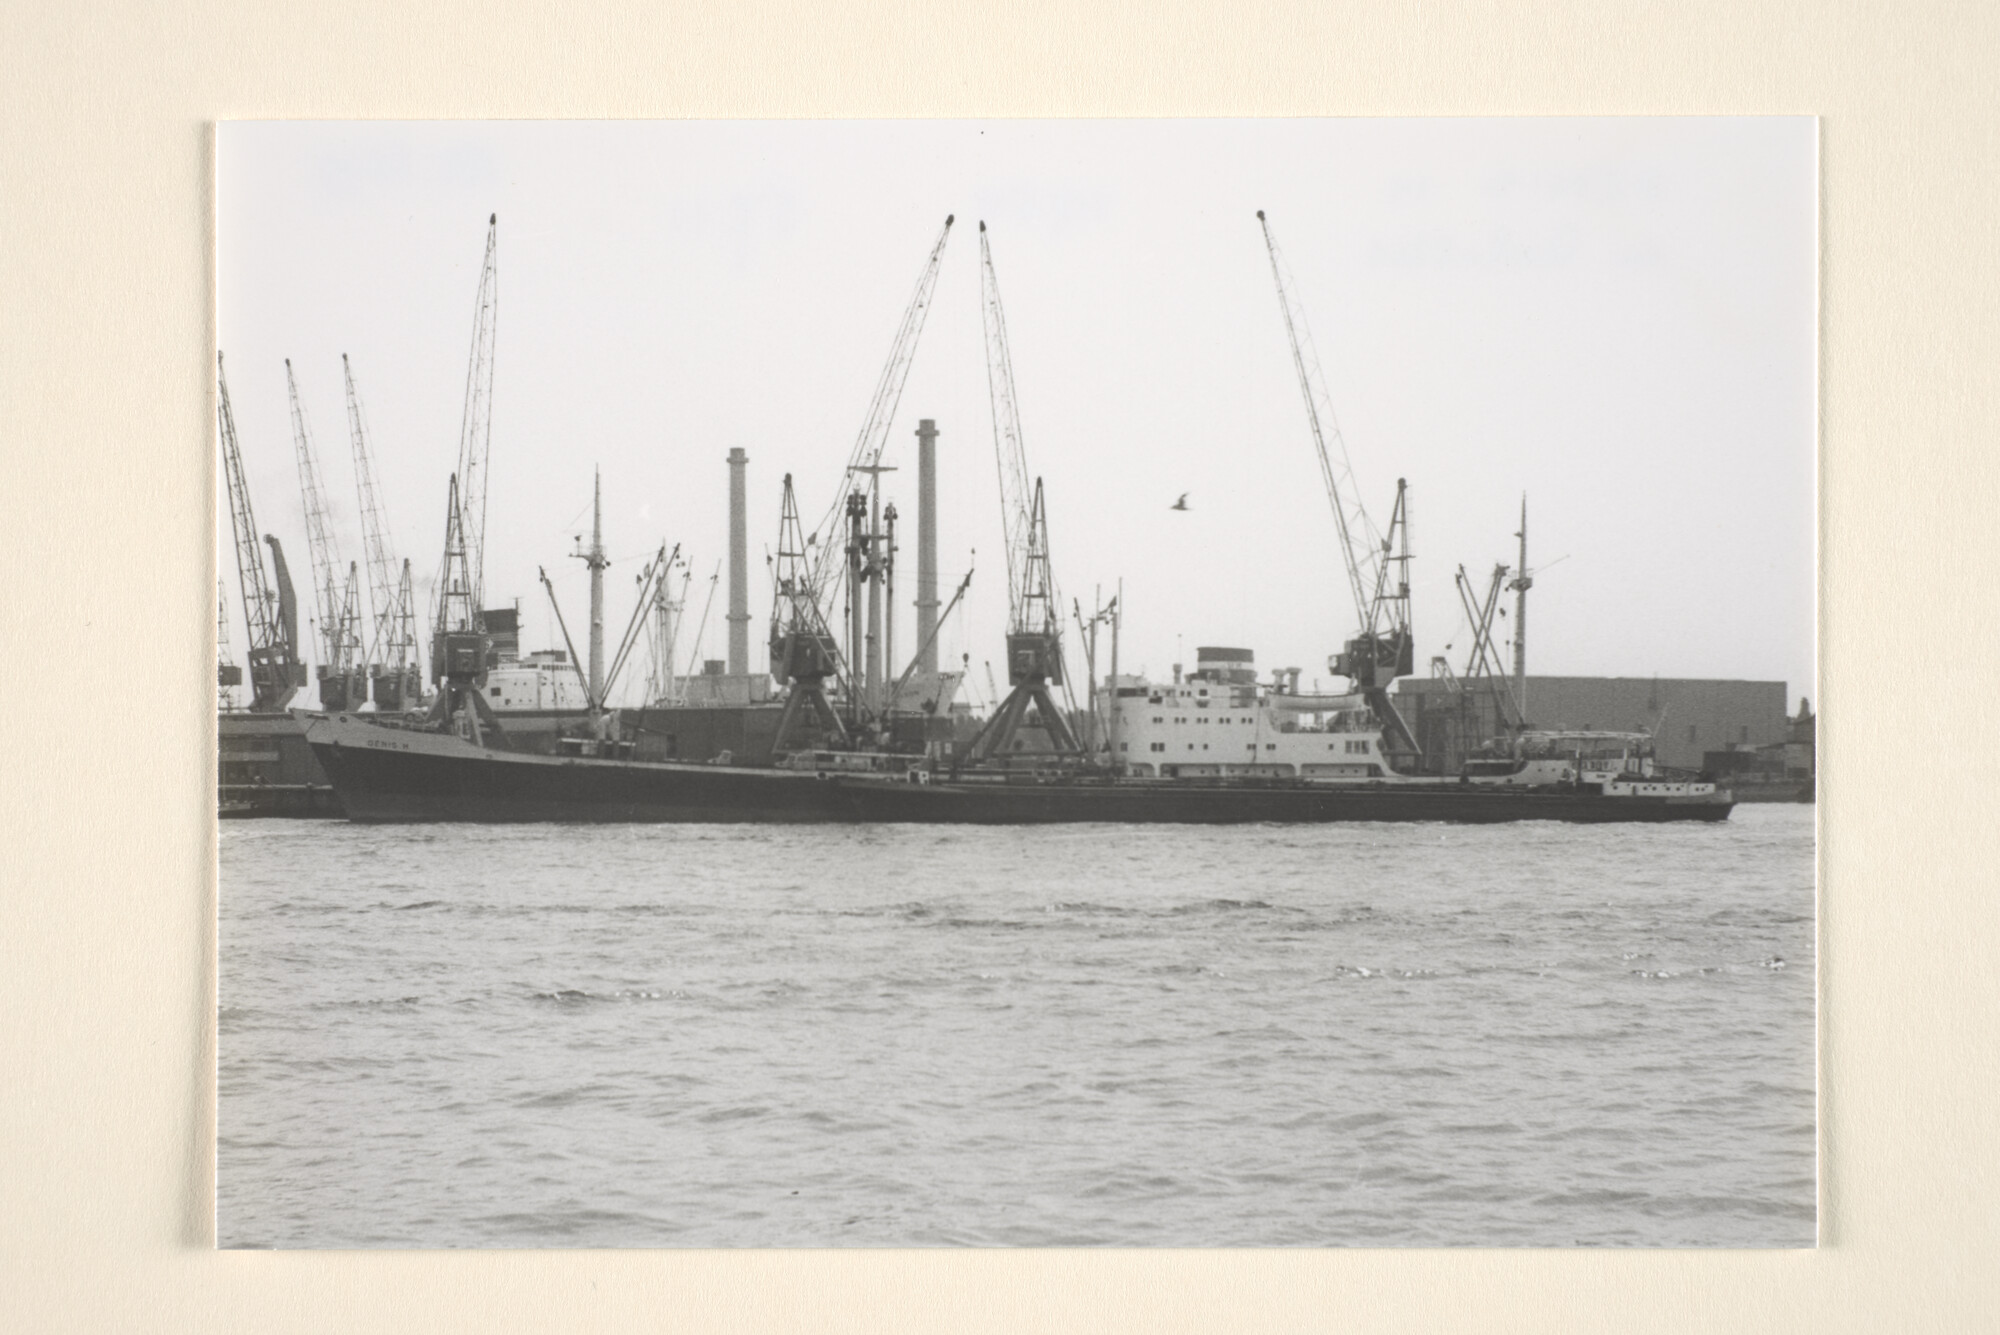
x,y
1616,317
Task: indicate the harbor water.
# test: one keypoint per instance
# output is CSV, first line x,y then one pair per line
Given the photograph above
x,y
701,1036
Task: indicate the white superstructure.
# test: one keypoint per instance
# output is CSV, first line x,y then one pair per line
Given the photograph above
x,y
537,684
1219,721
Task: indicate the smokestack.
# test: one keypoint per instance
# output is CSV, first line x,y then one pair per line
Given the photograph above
x,y
927,593
739,567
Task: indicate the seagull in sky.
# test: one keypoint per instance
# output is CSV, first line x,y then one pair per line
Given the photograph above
x,y
1180,504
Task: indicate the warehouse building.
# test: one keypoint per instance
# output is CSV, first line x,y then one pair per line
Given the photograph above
x,y
1689,717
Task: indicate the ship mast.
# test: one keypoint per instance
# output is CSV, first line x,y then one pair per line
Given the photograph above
x,y
1519,586
595,558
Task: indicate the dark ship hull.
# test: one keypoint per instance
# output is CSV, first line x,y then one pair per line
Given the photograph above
x,y
387,774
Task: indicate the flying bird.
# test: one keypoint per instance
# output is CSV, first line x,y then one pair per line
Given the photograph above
x,y
1180,504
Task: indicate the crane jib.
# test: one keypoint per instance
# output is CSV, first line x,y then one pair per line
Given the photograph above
x,y
1359,541
870,441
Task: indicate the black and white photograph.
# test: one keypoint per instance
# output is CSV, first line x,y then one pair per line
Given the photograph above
x,y
1017,683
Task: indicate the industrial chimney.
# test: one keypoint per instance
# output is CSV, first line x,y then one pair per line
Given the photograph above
x,y
927,593
739,568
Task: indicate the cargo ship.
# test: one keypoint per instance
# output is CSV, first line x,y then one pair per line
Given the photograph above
x,y
1221,747
835,733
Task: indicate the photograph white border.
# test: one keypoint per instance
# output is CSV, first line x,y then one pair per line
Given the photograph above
x,y
108,220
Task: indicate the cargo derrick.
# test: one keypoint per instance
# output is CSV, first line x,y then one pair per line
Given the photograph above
x,y
1450,737
1482,662
1384,648
395,679
663,683
1034,623
599,737
276,674
459,630
868,572
343,683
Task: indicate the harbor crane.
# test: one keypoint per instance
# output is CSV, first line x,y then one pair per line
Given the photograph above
x,y
460,649
342,680
460,618
804,652
228,675
476,426
395,680
271,619
1034,620
1377,564
867,546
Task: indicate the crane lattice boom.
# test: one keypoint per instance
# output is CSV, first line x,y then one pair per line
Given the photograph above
x,y
874,434
1034,620
327,589
476,427
1361,545
382,580
257,595
1032,601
